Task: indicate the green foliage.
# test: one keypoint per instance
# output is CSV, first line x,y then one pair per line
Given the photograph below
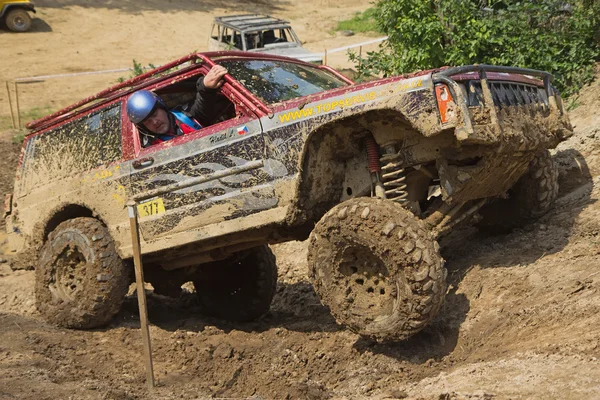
x,y
137,70
36,113
361,22
549,35
18,137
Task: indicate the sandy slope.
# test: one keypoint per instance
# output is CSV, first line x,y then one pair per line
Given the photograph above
x,y
521,318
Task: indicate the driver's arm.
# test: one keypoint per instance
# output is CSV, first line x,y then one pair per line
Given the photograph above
x,y
206,104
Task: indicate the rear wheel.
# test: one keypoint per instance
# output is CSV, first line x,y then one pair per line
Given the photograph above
x,y
240,288
531,197
81,281
18,20
377,268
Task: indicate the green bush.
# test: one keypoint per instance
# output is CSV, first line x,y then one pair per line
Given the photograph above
x,y
361,22
137,70
550,35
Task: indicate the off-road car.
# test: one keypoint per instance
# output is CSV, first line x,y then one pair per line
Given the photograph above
x,y
15,14
259,33
374,173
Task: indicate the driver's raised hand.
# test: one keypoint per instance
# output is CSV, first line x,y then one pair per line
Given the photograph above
x,y
214,78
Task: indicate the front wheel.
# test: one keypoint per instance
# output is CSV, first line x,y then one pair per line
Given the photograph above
x,y
240,288
377,268
531,197
81,281
18,20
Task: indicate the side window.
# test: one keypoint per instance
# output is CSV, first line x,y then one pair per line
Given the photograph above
x,y
185,109
237,40
285,35
253,41
80,145
272,36
268,37
106,127
226,36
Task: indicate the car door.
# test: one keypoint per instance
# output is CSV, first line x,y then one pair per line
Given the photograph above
x,y
205,177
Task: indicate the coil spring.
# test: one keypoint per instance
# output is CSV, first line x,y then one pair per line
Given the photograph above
x,y
394,181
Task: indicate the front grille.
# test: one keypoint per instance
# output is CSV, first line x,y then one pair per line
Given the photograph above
x,y
507,94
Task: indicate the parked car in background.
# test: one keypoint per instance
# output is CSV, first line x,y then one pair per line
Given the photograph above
x,y
260,33
14,14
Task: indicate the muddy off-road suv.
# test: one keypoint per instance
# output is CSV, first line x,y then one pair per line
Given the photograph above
x,y
374,174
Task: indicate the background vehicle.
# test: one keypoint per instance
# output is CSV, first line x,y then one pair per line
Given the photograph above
x,y
14,13
260,33
375,173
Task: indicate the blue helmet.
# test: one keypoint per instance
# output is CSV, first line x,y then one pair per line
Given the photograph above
x,y
141,104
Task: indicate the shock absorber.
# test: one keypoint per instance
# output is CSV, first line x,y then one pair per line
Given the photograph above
x,y
377,189
394,179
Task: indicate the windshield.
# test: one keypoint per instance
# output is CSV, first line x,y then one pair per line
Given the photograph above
x,y
277,81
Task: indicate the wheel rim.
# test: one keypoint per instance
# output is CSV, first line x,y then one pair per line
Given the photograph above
x,y
67,273
19,22
367,285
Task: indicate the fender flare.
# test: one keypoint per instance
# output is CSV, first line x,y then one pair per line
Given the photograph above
x,y
344,138
24,6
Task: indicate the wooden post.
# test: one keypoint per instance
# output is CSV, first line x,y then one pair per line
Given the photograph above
x,y
325,57
12,114
141,293
360,52
17,101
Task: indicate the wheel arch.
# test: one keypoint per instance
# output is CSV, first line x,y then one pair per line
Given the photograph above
x,y
66,212
10,7
40,232
330,149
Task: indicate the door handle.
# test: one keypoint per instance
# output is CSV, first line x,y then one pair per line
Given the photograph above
x,y
143,163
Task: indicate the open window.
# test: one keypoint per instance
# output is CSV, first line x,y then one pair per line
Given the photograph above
x,y
182,98
226,35
237,41
253,40
275,36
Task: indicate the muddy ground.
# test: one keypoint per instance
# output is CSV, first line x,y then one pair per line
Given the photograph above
x,y
521,318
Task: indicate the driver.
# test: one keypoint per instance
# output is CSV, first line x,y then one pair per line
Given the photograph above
x,y
157,124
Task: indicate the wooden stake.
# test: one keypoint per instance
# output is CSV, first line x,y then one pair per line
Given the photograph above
x,y
12,114
141,293
18,110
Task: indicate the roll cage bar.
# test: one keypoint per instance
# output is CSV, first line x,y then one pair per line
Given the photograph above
x,y
163,72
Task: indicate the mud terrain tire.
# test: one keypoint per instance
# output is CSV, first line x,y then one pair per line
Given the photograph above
x,y
377,268
81,281
18,20
531,197
240,288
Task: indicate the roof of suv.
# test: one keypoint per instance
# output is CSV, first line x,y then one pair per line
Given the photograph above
x,y
138,82
248,22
